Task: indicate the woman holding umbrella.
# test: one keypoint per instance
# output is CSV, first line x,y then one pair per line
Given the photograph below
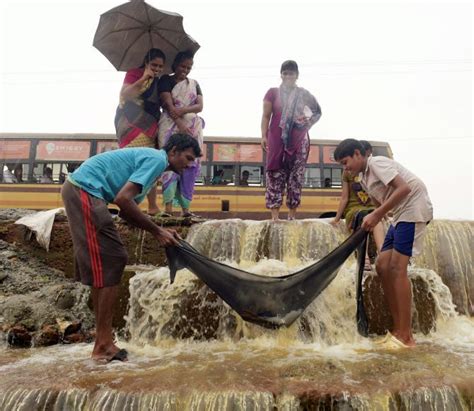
x,y
138,113
182,101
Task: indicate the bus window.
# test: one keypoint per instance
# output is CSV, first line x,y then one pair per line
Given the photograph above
x,y
223,174
202,178
312,177
14,173
50,173
251,176
332,177
44,173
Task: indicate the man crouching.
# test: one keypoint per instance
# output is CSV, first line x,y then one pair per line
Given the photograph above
x,y
121,177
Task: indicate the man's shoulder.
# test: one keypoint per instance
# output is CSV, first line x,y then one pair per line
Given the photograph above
x,y
380,161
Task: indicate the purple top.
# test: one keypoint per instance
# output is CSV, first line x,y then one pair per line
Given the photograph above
x,y
276,152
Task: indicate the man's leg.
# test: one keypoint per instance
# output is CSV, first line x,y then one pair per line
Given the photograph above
x,y
378,234
402,295
383,271
104,303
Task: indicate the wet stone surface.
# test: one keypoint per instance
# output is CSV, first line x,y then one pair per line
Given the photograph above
x,y
34,295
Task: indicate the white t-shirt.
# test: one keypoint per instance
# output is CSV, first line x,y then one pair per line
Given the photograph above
x,y
8,176
380,171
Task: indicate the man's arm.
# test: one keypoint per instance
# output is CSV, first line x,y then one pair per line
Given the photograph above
x,y
130,212
342,202
401,190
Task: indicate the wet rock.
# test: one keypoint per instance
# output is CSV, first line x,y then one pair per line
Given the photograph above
x,y
34,295
123,298
68,327
18,336
448,250
48,335
197,313
205,322
72,328
13,214
8,254
80,336
65,299
380,320
141,247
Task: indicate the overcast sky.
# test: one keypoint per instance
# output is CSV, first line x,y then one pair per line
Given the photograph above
x,y
398,71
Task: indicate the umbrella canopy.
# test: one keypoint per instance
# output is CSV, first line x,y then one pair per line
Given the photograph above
x,y
126,33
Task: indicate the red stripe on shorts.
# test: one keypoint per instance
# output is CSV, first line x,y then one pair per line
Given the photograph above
x,y
93,246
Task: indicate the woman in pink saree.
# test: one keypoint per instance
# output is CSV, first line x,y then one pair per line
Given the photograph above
x,y
288,113
182,101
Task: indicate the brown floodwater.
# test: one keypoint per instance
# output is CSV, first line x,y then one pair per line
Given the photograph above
x,y
188,350
275,367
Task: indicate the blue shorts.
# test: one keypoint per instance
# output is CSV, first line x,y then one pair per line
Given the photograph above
x,y
406,238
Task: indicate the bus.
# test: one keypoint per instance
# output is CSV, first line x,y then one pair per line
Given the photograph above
x,y
33,167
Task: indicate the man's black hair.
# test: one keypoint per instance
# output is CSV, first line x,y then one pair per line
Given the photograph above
x,y
182,142
367,146
347,147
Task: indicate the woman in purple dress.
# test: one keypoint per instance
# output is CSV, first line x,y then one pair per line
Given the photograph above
x,y
289,112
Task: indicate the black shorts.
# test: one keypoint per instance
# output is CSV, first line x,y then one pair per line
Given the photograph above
x,y
100,256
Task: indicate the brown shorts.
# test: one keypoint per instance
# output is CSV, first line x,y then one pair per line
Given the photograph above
x,y
99,254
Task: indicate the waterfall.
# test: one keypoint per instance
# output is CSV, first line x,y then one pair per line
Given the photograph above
x,y
448,250
188,309
190,351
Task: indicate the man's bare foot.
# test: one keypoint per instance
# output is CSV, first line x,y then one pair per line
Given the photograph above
x,y
409,341
108,353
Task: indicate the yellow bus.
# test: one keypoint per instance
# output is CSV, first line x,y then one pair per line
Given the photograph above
x,y
33,167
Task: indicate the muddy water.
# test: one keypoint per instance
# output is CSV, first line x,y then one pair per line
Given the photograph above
x,y
266,371
188,350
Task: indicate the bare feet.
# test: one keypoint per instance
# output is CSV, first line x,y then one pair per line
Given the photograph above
x,y
108,353
275,214
408,340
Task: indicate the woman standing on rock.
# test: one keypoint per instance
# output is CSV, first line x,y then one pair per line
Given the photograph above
x,y
289,112
182,101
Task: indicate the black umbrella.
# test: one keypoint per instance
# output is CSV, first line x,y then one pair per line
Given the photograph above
x,y
126,33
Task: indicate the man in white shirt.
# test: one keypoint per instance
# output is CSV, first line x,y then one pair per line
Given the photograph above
x,y
396,189
8,176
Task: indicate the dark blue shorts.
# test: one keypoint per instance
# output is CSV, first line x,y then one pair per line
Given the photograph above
x,y
401,238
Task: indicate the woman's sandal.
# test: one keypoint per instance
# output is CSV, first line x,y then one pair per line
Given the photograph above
x,y
163,214
189,214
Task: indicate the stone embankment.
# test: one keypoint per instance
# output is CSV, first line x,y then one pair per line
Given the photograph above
x,y
40,303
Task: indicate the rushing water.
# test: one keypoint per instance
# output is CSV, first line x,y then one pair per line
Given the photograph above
x,y
188,350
